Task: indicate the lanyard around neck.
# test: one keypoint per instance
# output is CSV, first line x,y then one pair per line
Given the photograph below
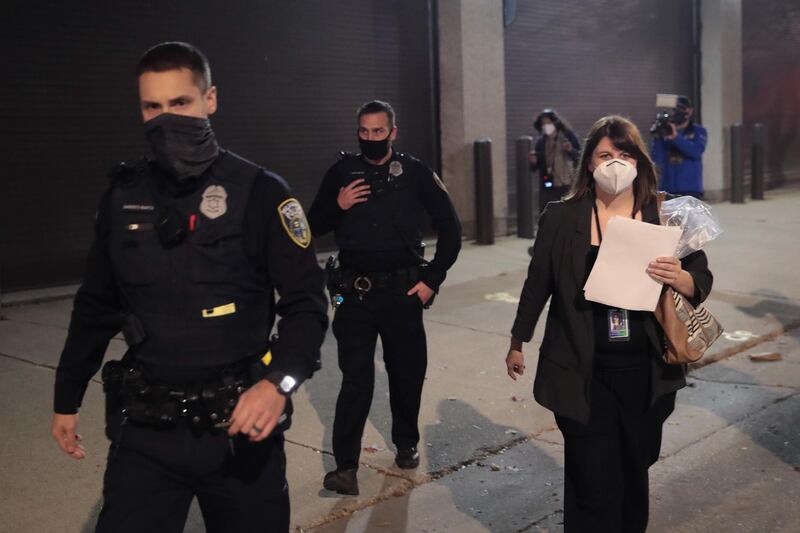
x,y
597,219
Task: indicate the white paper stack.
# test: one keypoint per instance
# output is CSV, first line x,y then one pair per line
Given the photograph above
x,y
619,277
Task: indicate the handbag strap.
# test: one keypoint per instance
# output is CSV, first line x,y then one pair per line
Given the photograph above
x,y
660,197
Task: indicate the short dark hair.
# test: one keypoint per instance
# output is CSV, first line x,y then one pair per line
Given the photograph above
x,y
175,55
377,106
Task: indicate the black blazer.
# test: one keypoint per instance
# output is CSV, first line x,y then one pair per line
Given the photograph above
x,y
558,270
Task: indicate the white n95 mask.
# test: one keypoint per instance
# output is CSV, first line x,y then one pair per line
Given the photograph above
x,y
548,129
614,176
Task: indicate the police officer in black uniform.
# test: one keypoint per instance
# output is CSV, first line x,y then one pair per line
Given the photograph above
x,y
375,203
189,250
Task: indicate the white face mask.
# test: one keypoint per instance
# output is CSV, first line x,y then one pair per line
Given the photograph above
x,y
548,129
614,176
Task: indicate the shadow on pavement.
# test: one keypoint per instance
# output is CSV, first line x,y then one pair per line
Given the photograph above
x,y
504,489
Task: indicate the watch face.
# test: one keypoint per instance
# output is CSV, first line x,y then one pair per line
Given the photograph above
x,y
288,383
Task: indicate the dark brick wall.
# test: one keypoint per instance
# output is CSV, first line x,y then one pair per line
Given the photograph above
x,y
290,76
592,58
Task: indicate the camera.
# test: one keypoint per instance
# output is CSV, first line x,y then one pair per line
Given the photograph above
x,y
672,111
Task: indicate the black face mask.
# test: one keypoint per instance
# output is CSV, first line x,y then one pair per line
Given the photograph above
x,y
184,147
375,150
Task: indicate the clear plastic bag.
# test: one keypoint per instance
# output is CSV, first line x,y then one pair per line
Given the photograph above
x,y
699,224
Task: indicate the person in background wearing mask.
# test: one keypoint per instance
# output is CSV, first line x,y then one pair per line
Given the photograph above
x,y
554,156
189,250
600,369
679,155
375,203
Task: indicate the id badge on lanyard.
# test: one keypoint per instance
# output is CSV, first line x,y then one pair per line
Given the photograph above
x,y
618,325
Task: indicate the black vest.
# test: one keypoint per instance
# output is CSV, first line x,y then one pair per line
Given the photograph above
x,y
201,302
392,218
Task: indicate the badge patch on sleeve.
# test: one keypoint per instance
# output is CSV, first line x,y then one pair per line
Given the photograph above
x,y
295,223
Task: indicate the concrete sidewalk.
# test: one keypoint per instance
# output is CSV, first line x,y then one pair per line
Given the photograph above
x,y
491,457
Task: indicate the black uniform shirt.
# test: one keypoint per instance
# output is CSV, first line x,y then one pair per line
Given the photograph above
x,y
325,215
289,268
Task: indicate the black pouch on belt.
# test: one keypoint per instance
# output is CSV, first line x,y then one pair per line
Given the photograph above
x,y
113,374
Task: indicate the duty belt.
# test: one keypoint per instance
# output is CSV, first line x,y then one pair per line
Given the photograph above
x,y
352,281
206,405
401,280
346,281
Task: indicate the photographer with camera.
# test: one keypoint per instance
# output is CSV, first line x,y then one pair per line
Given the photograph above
x,y
554,156
677,149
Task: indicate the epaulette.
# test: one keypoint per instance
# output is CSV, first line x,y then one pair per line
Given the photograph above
x,y
126,173
342,155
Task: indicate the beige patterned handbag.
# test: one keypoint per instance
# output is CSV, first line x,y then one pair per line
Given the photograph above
x,y
688,331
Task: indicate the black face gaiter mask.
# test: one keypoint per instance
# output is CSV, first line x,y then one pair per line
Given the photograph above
x,y
184,147
374,150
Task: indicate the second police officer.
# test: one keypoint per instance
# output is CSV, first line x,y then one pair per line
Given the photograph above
x,y
375,203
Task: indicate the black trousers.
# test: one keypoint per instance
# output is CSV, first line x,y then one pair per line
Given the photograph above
x,y
397,318
607,460
152,475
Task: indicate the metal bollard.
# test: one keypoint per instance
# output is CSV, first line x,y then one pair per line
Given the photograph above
x,y
484,201
737,165
757,163
524,188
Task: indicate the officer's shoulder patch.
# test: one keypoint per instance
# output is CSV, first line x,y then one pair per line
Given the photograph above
x,y
294,222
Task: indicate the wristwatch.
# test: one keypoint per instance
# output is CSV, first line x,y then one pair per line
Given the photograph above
x,y
285,383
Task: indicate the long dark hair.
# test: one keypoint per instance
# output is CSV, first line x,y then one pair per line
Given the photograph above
x,y
560,123
624,135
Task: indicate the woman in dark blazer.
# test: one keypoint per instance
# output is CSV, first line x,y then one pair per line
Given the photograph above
x,y
600,369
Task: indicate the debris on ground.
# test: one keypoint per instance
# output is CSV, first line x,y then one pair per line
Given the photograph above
x,y
374,448
763,357
495,467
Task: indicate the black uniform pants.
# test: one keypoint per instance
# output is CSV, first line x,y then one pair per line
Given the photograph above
x,y
153,475
607,460
397,318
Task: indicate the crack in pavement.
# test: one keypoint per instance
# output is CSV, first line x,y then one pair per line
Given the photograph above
x,y
468,328
35,323
23,360
42,365
744,384
479,455
731,423
541,520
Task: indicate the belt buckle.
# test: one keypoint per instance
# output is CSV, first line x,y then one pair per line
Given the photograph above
x,y
362,285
